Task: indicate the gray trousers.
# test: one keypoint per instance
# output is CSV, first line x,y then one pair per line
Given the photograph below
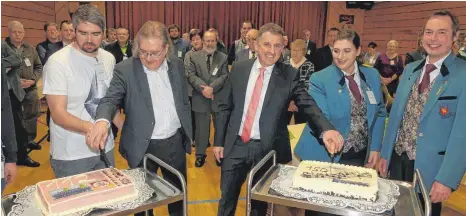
x,y
202,133
64,168
30,106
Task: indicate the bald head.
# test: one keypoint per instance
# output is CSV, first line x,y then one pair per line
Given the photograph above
x,y
251,36
15,32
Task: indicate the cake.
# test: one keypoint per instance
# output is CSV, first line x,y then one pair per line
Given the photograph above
x,y
337,180
84,191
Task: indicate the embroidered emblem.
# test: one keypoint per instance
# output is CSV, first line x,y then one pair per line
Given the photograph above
x,y
443,110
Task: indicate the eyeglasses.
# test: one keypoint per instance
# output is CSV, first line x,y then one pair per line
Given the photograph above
x,y
145,54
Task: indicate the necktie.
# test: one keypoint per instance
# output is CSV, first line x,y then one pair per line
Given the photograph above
x,y
354,88
208,62
253,55
252,108
426,79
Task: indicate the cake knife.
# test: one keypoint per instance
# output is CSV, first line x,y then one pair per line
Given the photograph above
x,y
104,158
332,158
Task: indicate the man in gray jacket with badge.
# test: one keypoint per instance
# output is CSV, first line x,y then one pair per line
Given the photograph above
x,y
206,72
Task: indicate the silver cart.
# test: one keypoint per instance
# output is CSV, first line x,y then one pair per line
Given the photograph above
x,y
408,202
165,193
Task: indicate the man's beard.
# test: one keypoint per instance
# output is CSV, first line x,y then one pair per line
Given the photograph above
x,y
174,38
89,51
210,50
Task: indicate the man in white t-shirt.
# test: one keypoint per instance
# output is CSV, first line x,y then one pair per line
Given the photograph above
x,y
75,78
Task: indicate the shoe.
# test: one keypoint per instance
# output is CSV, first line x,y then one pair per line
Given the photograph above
x,y
34,146
28,162
200,160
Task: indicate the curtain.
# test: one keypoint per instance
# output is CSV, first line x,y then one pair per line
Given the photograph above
x,y
226,17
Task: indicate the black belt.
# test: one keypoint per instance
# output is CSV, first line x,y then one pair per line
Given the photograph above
x,y
251,140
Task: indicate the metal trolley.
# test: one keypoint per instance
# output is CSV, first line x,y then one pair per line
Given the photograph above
x,y
408,202
165,193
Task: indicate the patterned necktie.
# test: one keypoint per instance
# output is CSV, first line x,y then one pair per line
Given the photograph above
x,y
252,108
354,88
208,62
97,92
426,79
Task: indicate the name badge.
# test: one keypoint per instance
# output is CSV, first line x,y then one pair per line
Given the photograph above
x,y
215,72
28,63
392,62
100,71
125,57
371,97
309,52
180,54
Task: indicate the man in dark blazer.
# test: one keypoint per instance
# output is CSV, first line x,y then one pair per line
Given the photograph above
x,y
158,116
67,36
310,45
206,73
419,54
122,48
250,121
250,52
323,58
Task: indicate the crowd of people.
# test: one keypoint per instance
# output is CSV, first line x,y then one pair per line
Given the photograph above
x,y
171,86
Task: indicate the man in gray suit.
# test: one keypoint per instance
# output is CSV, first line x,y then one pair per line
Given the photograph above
x,y
158,115
250,52
206,73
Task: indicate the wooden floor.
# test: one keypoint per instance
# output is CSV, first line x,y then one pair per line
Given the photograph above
x,y
203,183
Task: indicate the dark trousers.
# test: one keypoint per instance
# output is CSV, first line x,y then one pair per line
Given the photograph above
x,y
202,133
235,168
20,130
299,118
193,118
349,158
172,152
402,169
30,105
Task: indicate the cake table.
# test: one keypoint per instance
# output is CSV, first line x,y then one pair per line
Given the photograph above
x,y
407,204
165,193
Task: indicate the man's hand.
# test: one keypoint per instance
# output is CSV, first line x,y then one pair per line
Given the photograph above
x,y
373,157
386,81
27,83
439,192
207,91
382,167
218,152
292,107
10,172
96,138
333,141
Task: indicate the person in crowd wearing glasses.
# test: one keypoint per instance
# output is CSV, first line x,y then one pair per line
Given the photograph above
x,y
250,52
158,115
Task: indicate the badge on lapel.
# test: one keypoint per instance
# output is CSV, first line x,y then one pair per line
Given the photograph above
x,y
445,112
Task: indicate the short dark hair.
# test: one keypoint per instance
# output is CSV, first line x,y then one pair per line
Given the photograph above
x,y
333,29
46,26
195,32
172,26
455,24
65,21
351,35
372,45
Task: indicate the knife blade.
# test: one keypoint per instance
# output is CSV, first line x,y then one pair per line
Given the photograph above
x,y
332,158
104,158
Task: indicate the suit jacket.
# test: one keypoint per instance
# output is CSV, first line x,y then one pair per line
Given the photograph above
x,y
332,95
9,147
284,85
115,49
52,48
42,49
322,58
197,75
311,49
441,138
414,56
242,55
286,55
130,84
12,60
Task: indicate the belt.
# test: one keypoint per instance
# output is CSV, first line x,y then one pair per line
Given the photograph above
x,y
251,140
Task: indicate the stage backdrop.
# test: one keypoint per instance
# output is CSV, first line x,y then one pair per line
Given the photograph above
x,y
227,17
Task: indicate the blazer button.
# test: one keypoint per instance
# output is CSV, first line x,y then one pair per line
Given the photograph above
x,y
421,134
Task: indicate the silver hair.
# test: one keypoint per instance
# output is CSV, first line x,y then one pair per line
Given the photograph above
x,y
152,29
13,24
88,13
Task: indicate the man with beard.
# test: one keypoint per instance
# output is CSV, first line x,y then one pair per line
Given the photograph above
x,y
180,46
239,44
206,72
80,72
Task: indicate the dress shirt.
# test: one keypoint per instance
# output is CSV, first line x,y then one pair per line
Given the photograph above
x,y
357,78
434,73
253,75
250,54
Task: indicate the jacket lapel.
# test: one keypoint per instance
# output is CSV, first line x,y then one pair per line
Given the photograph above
x,y
343,92
403,92
173,77
276,79
143,83
440,84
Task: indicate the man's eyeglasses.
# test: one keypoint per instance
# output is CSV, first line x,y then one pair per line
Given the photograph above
x,y
145,54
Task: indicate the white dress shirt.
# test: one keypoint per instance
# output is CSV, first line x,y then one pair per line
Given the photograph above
x,y
357,78
255,131
166,118
250,54
434,73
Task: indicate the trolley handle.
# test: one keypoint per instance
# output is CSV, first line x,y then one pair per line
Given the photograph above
x,y
172,170
425,195
251,177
